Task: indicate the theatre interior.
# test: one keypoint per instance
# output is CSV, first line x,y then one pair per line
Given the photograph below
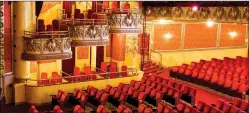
x,y
124,57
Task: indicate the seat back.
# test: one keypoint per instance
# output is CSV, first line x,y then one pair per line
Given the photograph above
x,y
124,71
76,71
87,70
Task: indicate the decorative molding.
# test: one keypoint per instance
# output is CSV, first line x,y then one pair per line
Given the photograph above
x,y
125,23
1,49
46,48
89,35
131,44
36,57
33,67
217,14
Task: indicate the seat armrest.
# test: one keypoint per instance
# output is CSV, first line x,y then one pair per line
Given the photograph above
x,y
94,111
174,107
70,93
213,105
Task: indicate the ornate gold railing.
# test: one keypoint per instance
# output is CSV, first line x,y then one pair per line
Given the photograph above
x,y
88,32
125,21
46,45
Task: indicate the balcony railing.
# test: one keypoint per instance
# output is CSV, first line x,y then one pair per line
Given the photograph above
x,y
47,45
88,32
125,21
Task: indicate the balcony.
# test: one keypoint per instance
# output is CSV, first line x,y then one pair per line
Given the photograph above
x,y
125,21
88,32
49,45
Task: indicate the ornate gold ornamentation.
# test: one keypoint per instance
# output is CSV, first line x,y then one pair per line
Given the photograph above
x,y
131,44
89,35
1,49
36,57
218,14
41,48
125,23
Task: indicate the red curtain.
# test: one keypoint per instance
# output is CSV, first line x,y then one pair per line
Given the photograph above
x,y
67,5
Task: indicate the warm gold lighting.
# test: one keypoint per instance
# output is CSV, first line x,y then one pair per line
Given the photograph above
x,y
195,8
168,36
233,34
162,21
210,23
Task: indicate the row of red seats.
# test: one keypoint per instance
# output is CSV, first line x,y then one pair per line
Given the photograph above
x,y
221,107
113,69
221,80
85,75
56,109
166,92
56,79
188,93
237,104
56,26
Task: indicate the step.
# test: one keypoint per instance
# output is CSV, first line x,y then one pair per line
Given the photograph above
x,y
151,67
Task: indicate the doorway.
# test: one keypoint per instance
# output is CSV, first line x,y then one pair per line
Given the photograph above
x,y
99,56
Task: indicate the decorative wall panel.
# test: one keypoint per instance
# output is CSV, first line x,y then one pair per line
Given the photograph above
x,y
83,52
227,40
199,35
161,43
33,67
48,5
7,38
108,54
118,47
218,14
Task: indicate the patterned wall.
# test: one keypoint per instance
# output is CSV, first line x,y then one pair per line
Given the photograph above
x,y
83,52
161,43
47,5
200,36
33,67
118,46
7,38
108,54
227,40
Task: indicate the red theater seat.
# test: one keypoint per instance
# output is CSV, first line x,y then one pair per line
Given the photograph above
x,y
44,79
126,8
124,71
49,27
56,25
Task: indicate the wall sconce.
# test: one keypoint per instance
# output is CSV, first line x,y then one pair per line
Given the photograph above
x,y
210,23
168,36
194,8
233,34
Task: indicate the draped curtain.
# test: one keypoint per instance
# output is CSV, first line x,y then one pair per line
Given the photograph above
x,y
38,7
67,5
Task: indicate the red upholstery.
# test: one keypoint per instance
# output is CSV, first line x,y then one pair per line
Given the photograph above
x,y
124,71
55,24
49,27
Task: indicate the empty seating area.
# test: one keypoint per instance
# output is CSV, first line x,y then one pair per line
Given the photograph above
x,y
44,80
147,95
229,76
236,106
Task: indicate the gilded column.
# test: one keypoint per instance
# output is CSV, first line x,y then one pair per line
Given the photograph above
x,y
23,21
93,57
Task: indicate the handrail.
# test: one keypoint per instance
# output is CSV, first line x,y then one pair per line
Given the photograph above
x,y
85,21
68,77
65,73
160,54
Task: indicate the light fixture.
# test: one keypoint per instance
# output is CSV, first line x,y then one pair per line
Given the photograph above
x,y
233,34
210,23
194,8
168,36
162,21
